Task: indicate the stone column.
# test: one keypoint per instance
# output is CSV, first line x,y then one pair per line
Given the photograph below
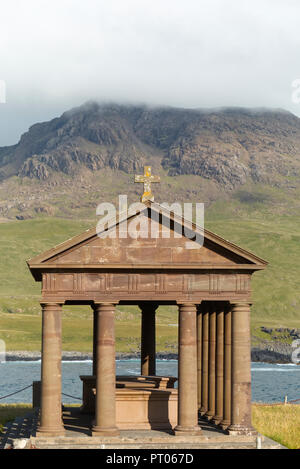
x,y
212,364
187,372
205,341
219,364
95,328
227,369
148,365
51,414
105,415
241,371
199,354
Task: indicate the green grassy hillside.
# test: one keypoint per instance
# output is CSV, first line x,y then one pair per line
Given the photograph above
x,y
271,234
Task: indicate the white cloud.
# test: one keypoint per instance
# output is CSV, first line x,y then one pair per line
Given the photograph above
x,y
188,53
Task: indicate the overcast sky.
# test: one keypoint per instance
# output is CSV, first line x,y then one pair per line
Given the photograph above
x,y
56,54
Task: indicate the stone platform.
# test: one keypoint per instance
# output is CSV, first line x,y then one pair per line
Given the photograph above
x,y
78,436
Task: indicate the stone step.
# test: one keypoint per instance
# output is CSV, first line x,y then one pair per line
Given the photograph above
x,y
87,443
156,446
132,442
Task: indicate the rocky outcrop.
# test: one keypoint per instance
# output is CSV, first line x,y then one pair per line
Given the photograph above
x,y
276,346
272,352
257,355
230,146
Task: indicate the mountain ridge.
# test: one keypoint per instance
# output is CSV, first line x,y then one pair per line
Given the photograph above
x,y
66,166
230,146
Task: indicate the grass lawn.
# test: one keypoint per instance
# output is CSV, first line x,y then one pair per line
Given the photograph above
x,y
9,412
280,423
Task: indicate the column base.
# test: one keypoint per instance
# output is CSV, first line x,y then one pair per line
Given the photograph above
x,y
208,416
216,420
202,411
51,431
224,424
99,431
192,431
235,430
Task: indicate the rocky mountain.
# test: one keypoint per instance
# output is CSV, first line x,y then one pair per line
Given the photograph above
x,y
92,152
229,146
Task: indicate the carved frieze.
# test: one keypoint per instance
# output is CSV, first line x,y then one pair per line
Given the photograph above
x,y
77,283
123,283
49,283
160,284
214,284
133,283
242,283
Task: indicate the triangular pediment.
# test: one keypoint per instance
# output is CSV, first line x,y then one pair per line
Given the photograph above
x,y
168,242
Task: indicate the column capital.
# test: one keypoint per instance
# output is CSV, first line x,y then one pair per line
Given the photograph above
x,y
99,306
240,304
52,304
187,306
104,303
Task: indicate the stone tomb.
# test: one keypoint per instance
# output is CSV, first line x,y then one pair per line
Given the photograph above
x,y
209,284
142,402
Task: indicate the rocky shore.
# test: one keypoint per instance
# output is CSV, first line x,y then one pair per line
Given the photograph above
x,y
269,354
275,345
73,356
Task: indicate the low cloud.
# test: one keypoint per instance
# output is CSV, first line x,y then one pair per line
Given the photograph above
x,y
213,53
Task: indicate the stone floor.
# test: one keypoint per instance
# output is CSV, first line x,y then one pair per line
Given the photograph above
x,y
18,432
21,433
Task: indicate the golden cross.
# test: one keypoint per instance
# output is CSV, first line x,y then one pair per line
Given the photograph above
x,y
147,179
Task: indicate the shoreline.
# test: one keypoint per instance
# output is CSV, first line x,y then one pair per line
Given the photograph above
x,y
257,355
82,356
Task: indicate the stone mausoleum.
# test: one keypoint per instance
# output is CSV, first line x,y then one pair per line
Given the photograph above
x,y
210,284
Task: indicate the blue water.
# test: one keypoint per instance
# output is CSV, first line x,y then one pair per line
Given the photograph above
x,y
270,383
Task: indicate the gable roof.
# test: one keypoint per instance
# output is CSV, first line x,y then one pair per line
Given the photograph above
x,y
243,259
